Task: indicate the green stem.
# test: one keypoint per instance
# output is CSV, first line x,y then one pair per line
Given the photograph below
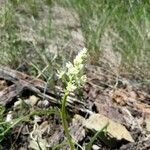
x,y
64,120
89,145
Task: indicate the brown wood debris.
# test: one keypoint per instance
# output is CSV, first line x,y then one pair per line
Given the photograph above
x,y
123,105
21,81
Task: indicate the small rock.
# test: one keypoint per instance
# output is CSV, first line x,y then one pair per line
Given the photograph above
x,y
46,103
17,104
114,129
39,104
43,104
9,116
32,100
95,147
37,119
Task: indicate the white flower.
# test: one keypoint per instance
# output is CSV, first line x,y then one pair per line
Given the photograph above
x,y
60,74
73,72
69,65
80,67
83,78
70,87
80,57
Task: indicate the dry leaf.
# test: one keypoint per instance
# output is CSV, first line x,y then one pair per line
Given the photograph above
x,y
37,142
144,108
120,96
116,130
38,145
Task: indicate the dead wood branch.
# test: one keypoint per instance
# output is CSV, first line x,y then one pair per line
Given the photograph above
x,y
22,81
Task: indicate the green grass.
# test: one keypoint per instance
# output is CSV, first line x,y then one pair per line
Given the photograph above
x,y
127,23
23,33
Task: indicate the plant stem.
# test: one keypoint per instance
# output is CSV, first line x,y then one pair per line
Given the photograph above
x,y
89,145
64,120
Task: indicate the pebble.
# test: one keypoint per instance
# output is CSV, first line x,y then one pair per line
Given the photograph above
x,y
37,119
95,147
32,100
9,116
43,104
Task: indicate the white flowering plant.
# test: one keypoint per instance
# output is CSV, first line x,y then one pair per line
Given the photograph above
x,y
72,75
73,78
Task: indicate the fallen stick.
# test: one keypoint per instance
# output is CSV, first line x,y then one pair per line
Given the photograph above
x,y
22,81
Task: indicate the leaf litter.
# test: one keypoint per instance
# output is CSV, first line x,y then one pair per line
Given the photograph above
x,y
127,118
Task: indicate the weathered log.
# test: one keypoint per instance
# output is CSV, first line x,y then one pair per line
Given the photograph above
x,y
9,93
22,81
